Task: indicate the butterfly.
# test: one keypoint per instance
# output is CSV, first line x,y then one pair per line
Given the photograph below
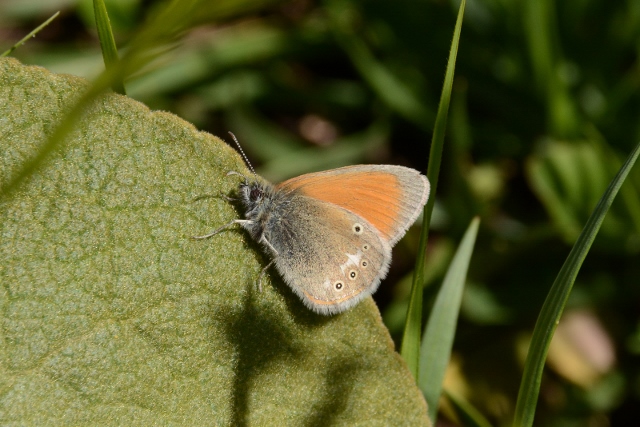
x,y
329,234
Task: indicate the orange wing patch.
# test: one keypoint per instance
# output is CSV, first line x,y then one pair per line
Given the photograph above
x,y
374,195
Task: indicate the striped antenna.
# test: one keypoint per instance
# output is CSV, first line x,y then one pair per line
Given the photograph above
x,y
244,156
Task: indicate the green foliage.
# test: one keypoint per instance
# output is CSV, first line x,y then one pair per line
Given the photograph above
x,y
543,111
555,303
30,35
437,340
107,42
113,315
413,325
566,177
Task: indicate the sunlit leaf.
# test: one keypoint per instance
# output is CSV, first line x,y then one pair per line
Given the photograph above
x,y
113,315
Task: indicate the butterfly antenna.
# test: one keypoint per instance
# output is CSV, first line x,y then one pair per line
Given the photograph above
x,y
244,156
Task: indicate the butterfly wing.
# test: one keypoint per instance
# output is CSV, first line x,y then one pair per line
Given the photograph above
x,y
389,197
329,256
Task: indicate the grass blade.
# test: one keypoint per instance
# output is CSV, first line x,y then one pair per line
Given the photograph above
x,y
107,42
557,298
438,336
410,349
28,36
466,413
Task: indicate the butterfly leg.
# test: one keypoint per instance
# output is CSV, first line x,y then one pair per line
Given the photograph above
x,y
224,227
265,242
233,199
236,173
262,273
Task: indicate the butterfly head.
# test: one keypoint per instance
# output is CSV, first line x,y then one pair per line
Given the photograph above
x,y
255,195
251,193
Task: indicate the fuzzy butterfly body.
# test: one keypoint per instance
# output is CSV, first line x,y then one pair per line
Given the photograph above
x,y
330,233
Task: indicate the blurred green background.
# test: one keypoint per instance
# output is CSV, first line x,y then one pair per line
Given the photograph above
x,y
545,104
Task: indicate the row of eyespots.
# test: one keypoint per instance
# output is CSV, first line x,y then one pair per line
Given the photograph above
x,y
358,229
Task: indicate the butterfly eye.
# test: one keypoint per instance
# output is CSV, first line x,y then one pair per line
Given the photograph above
x,y
353,274
255,194
357,228
338,285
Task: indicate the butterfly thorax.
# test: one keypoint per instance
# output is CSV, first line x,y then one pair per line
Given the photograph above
x,y
263,205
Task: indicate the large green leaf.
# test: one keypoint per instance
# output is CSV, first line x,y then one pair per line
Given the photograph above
x,y
112,315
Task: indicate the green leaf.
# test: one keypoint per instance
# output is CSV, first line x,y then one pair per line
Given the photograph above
x,y
162,28
557,298
410,349
113,315
437,341
107,42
